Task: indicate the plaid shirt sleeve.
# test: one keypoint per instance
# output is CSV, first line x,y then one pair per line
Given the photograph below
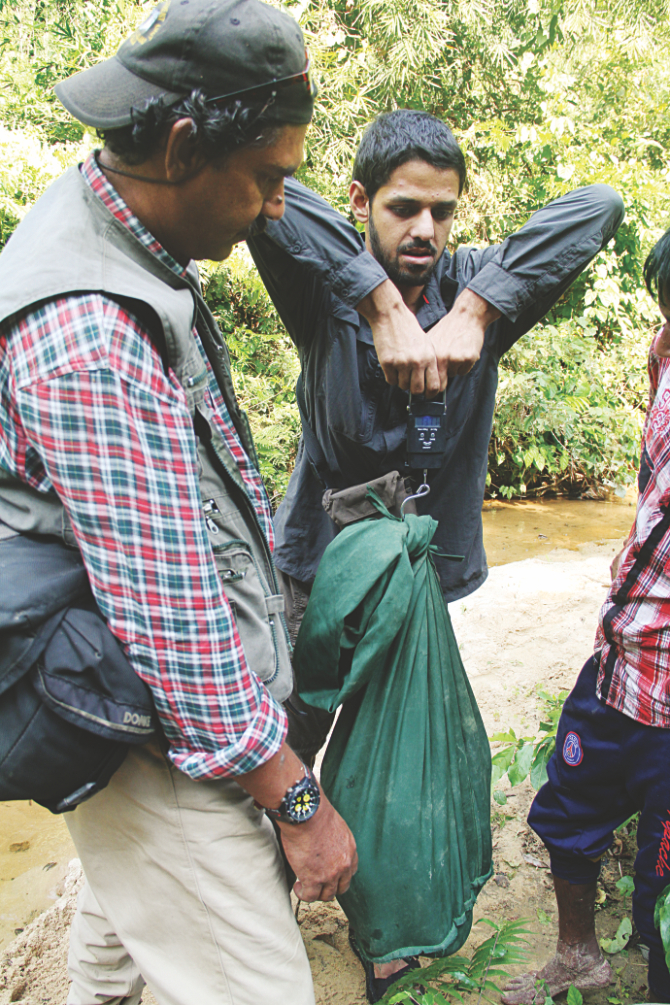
x,y
88,412
633,638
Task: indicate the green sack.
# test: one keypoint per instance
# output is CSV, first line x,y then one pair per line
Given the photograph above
x,y
408,764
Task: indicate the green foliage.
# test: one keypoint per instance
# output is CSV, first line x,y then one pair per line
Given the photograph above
x,y
544,95
662,920
574,996
625,886
447,980
569,415
43,41
527,755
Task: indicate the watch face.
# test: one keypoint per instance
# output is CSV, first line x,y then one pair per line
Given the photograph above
x,y
304,803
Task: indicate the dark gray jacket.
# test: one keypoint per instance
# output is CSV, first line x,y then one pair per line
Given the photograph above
x,y
316,269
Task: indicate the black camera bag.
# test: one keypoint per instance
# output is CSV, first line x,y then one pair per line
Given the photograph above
x,y
70,703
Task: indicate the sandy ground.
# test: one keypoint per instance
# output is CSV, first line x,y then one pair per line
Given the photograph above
x,y
531,624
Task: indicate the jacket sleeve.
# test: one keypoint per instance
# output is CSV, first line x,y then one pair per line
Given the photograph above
x,y
307,254
526,274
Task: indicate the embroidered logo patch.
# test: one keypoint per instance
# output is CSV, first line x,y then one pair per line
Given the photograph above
x,y
572,750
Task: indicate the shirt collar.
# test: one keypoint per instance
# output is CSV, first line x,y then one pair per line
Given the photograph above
x,y
431,309
108,195
431,305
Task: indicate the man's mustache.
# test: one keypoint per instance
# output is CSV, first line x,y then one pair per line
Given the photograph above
x,y
420,249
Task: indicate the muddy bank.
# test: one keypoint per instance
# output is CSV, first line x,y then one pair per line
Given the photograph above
x,y
532,623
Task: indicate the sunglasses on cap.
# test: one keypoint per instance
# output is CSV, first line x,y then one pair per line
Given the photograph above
x,y
270,88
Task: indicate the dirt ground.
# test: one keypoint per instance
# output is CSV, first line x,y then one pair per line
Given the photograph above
x,y
532,623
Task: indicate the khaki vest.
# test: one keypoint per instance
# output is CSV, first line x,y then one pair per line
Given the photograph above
x,y
70,243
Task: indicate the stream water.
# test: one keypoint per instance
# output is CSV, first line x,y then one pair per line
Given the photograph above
x,y
519,530
35,846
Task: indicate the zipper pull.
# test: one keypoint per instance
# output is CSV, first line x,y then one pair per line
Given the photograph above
x,y
209,507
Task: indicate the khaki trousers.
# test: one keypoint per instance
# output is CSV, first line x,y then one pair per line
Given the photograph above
x,y
186,888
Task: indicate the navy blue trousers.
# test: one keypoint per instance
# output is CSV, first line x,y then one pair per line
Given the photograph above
x,y
605,768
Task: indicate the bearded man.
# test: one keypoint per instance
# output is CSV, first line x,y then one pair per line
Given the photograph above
x,y
378,314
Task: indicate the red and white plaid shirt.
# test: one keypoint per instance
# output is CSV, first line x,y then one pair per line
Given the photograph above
x,y
87,412
633,638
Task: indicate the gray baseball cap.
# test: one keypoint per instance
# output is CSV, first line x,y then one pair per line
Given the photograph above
x,y
231,49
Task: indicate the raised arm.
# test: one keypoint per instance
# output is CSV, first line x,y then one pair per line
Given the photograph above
x,y
520,279
313,251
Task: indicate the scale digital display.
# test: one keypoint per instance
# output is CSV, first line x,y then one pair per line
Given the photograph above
x,y
427,420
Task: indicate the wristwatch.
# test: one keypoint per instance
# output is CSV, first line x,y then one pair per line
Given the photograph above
x,y
300,802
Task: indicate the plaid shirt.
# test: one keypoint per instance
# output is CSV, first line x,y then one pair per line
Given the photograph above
x,y
87,412
633,638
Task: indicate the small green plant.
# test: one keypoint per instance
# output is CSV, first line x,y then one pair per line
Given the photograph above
x,y
620,940
446,980
527,755
625,886
662,920
574,996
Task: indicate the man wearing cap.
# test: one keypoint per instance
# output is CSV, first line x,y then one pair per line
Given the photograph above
x,y
119,430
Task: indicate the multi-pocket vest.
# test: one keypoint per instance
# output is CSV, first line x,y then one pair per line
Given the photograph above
x,y
69,243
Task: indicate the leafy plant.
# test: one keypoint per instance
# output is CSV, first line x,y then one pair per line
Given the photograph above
x,y
625,886
620,940
569,413
662,920
527,755
448,979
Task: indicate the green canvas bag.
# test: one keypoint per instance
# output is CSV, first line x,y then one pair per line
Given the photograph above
x,y
408,764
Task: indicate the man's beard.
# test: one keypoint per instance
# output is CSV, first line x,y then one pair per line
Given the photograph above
x,y
398,274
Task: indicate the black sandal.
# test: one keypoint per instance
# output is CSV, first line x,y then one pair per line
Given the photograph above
x,y
376,987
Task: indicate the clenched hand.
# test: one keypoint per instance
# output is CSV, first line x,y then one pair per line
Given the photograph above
x,y
322,850
459,336
322,854
405,351
418,361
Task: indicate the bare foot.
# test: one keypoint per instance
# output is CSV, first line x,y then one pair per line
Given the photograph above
x,y
388,969
582,965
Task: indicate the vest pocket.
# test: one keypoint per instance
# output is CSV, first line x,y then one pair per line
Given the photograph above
x,y
244,590
250,588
